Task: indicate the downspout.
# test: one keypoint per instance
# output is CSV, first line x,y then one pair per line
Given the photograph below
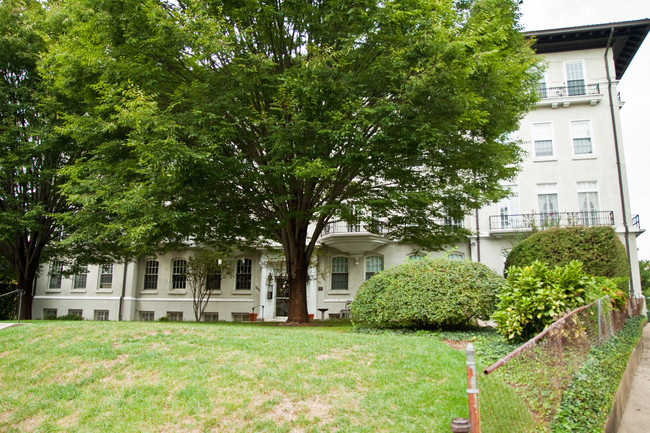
x,y
126,266
618,161
478,239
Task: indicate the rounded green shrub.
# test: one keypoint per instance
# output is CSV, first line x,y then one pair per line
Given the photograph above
x,y
427,293
598,248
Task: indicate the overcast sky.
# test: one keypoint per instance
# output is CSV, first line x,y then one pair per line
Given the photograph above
x,y
634,86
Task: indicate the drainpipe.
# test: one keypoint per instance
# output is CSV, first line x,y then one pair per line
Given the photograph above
x,y
618,160
126,266
478,239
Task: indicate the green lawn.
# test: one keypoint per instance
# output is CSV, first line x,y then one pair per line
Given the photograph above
x,y
186,377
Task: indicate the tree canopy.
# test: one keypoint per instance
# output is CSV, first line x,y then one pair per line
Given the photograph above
x,y
266,119
32,151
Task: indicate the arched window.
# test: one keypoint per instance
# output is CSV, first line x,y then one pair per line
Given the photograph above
x,y
374,264
151,275
179,280
456,256
339,273
244,276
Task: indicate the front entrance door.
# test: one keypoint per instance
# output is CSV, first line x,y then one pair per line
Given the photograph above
x,y
281,297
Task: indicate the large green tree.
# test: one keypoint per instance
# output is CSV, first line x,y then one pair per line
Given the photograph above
x,y
263,120
31,151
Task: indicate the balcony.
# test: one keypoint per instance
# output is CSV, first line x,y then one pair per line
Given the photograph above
x,y
524,222
576,93
355,239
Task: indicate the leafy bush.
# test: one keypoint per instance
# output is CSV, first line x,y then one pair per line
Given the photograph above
x,y
588,400
535,295
70,317
644,270
598,248
427,293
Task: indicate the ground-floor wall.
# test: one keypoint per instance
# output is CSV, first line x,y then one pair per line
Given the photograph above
x,y
334,279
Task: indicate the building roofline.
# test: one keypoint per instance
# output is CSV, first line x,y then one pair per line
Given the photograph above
x,y
627,38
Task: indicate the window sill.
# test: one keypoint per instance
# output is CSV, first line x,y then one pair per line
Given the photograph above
x,y
545,159
339,292
588,156
242,292
214,292
149,292
104,290
78,291
178,292
53,291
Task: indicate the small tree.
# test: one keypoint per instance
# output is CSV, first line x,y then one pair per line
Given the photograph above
x,y
203,273
644,269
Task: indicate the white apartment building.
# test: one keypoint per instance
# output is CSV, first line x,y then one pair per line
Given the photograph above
x,y
574,173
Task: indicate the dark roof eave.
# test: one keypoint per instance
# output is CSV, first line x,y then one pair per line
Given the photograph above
x,y
627,39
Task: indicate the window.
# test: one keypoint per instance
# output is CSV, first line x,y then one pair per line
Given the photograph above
x,y
588,203
543,139
575,78
244,276
542,87
49,313
417,256
106,277
175,316
78,313
101,315
213,281
178,274
374,264
210,317
56,269
146,316
80,279
548,202
508,208
340,273
240,317
456,256
581,136
150,275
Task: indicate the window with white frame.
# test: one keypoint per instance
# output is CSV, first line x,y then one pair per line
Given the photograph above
x,y
101,315
543,139
239,317
456,256
374,264
508,207
547,200
49,313
588,203
581,137
75,312
151,275
56,271
417,256
179,279
175,316
340,269
542,87
80,279
575,78
106,276
213,281
244,275
146,316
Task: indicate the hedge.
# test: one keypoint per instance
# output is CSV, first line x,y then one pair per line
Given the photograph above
x,y
598,248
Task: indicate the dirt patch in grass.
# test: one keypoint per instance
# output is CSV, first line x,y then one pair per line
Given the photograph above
x,y
5,353
289,411
31,424
68,421
458,345
119,360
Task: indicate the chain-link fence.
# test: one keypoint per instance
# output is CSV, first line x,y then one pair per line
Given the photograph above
x,y
522,391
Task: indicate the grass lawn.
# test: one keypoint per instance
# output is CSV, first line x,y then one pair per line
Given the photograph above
x,y
89,376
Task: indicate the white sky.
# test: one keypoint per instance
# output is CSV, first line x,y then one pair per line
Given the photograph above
x,y
634,86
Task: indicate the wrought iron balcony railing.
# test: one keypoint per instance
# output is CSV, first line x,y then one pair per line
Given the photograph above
x,y
340,227
572,90
550,219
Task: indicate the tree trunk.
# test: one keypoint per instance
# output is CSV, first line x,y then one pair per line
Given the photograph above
x,y
28,299
294,238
